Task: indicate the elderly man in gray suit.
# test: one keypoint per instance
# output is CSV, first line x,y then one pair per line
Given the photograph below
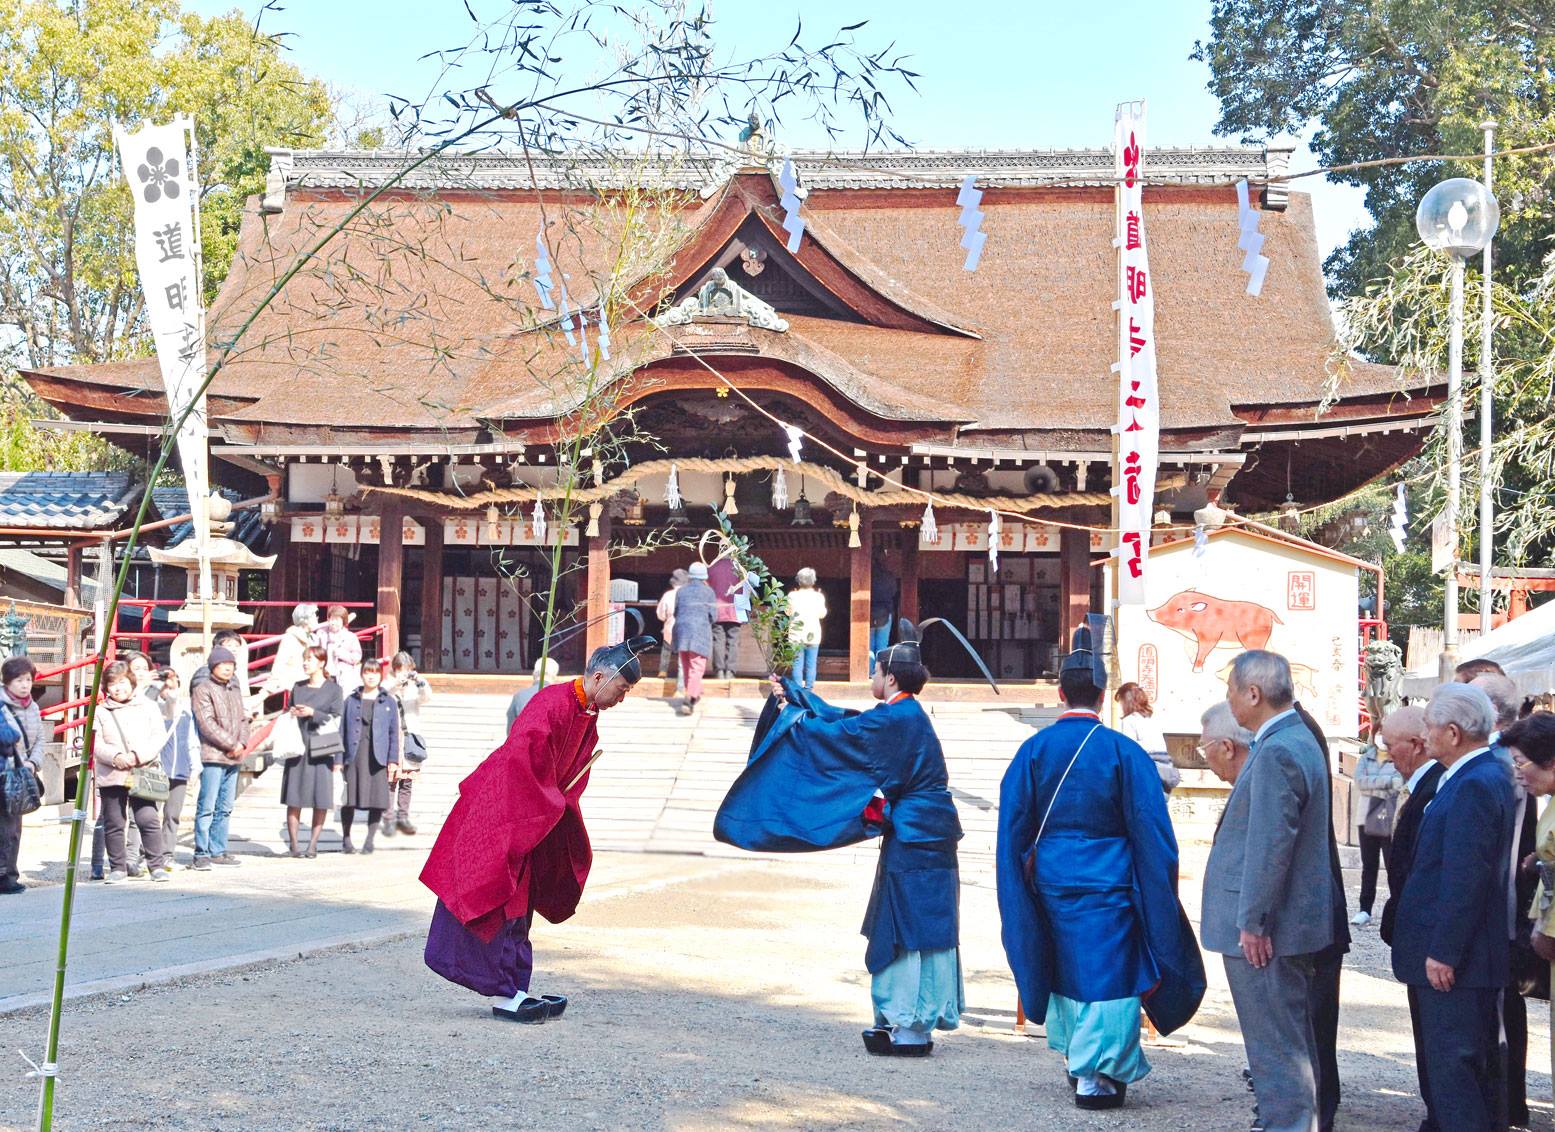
x,y
1268,890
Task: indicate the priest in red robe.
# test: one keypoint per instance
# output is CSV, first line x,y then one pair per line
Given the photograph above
x,y
515,844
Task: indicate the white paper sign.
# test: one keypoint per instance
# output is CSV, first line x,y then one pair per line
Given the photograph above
x,y
1139,412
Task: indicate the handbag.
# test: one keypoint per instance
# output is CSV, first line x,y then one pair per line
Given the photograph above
x,y
1379,816
19,792
413,748
149,784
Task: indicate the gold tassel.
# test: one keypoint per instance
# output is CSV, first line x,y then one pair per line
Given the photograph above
x,y
595,510
853,539
730,508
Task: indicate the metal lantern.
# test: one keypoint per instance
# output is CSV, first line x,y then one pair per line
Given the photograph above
x,y
677,515
802,516
1290,514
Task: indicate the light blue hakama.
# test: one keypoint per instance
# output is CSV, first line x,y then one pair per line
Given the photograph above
x,y
1098,1037
920,992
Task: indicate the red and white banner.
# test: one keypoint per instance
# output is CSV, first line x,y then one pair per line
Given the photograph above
x,y
1139,413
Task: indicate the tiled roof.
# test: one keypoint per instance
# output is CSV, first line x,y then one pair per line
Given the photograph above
x,y
63,500
171,501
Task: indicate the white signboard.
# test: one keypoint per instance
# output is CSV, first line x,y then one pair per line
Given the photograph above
x,y
1245,591
1139,412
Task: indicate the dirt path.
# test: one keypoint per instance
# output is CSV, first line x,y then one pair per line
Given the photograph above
x,y
729,997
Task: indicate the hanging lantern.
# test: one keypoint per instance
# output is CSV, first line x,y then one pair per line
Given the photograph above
x,y
929,532
334,505
672,488
1290,514
802,516
539,520
853,539
1163,518
270,511
595,510
780,491
730,507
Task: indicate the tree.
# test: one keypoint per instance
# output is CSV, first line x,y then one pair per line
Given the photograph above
x,y
70,69
1395,78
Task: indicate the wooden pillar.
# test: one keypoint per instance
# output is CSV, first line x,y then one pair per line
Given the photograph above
x,y
598,588
1074,558
909,603
391,573
861,578
432,595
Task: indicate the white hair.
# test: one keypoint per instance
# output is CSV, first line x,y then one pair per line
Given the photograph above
x,y
1269,671
805,577
1219,723
304,613
1463,706
548,668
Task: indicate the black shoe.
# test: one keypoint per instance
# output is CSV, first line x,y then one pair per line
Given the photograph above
x,y
878,1042
346,846
556,1004
531,1012
1101,1103
225,859
12,887
201,864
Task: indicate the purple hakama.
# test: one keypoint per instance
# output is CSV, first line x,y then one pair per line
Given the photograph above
x,y
500,968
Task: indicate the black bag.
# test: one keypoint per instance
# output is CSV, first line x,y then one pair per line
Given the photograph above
x,y
415,748
19,792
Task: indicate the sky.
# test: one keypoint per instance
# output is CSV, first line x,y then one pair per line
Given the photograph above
x,y
1023,74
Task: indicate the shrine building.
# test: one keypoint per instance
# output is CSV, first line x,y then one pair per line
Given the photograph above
x,y
406,388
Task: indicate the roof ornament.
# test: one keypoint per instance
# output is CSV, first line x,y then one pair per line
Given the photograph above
x,y
720,299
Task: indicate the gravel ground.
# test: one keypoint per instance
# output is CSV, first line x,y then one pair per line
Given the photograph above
x,y
721,996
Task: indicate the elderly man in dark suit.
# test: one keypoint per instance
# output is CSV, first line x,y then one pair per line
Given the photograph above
x,y
1268,890
1449,932
1402,736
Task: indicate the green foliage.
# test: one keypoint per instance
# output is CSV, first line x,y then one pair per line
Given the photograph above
x,y
26,448
70,69
1394,78
769,617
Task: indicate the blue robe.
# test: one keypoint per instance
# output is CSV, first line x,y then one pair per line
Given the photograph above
x,y
1092,912
813,771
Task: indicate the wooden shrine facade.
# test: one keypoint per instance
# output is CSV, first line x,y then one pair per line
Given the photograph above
x,y
407,399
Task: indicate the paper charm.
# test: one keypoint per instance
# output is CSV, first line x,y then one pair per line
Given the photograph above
x,y
779,491
1254,262
604,333
539,520
543,282
861,474
929,532
566,319
1398,529
583,335
972,220
672,487
793,223
1200,541
795,437
993,540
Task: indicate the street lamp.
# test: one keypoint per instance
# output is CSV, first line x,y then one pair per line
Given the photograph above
x,y
1457,217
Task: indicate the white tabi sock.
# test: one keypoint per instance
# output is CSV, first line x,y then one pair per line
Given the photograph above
x,y
1094,1087
903,1036
513,1003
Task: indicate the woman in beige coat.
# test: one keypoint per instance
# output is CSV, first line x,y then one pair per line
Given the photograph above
x,y
130,734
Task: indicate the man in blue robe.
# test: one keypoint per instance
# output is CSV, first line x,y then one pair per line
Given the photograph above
x,y
820,777
1087,875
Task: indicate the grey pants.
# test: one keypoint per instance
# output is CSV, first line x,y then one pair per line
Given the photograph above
x,y
1274,1008
726,648
118,807
10,846
172,810
399,801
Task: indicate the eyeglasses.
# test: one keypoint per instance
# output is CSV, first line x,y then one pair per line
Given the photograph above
x,y
1204,750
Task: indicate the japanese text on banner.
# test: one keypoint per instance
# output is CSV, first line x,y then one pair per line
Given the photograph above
x,y
158,161
1139,413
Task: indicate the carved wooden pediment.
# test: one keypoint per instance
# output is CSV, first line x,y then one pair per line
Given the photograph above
x,y
720,299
